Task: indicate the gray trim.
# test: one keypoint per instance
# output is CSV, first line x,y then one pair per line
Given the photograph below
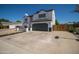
x,y
41,20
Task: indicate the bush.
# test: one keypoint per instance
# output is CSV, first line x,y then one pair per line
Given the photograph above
x,y
71,31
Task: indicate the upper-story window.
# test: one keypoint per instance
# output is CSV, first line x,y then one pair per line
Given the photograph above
x,y
42,15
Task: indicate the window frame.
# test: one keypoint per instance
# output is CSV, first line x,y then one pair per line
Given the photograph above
x,y
42,15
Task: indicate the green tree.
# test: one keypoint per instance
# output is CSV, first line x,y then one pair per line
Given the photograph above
x,y
4,20
56,21
18,20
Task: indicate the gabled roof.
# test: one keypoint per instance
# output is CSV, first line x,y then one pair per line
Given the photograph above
x,y
10,23
39,11
44,10
5,23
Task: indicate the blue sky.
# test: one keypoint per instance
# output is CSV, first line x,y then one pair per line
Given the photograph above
x,y
13,12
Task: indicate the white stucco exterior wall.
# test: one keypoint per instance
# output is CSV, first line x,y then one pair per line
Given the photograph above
x,y
48,15
12,26
53,17
28,21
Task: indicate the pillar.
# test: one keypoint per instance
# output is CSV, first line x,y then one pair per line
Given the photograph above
x,y
31,28
27,29
17,29
49,26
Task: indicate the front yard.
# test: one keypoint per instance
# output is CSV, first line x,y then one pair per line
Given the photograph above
x,y
39,42
6,32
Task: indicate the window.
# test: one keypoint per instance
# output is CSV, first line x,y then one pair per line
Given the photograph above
x,y
42,15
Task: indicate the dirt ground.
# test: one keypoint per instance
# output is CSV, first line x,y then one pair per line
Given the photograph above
x,y
39,42
7,31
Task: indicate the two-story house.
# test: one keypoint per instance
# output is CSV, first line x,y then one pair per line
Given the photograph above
x,y
42,20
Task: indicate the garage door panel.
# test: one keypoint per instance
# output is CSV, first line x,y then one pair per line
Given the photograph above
x,y
40,27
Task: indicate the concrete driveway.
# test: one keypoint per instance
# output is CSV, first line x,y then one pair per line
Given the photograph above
x,y
39,42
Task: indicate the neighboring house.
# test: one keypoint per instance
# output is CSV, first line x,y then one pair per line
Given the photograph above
x,y
4,25
15,25
10,25
0,24
42,20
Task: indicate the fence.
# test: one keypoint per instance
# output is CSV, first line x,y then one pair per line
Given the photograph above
x,y
4,27
60,27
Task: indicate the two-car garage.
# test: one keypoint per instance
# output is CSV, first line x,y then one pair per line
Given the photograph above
x,y
40,27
